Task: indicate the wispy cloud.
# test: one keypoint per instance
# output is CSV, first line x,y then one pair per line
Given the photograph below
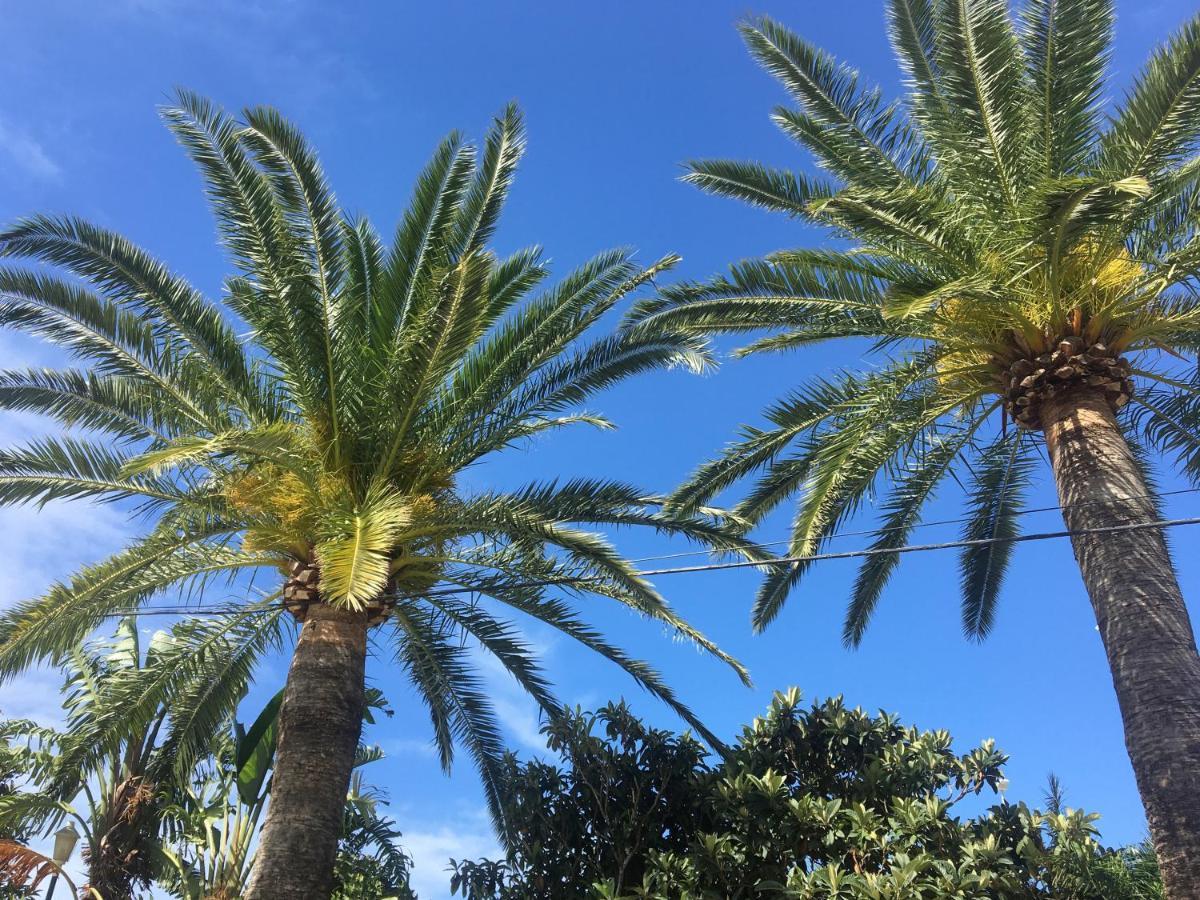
x,y
34,695
469,836
41,545
408,747
518,713
281,47
26,154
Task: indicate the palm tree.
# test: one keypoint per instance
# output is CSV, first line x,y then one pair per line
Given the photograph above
x,y
1018,266
327,446
123,752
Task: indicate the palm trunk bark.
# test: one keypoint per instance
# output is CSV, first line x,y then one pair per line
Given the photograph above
x,y
1143,623
320,720
122,856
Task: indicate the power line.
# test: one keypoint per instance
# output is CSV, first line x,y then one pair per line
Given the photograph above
x,y
869,532
767,564
916,548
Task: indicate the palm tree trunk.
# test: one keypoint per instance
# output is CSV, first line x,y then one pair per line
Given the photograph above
x,y
1143,623
122,856
319,724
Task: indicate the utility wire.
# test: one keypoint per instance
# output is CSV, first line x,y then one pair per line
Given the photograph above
x,y
868,532
916,548
767,564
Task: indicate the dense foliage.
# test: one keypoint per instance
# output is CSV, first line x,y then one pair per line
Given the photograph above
x,y
826,802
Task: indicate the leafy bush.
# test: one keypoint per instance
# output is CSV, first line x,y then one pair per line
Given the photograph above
x,y
827,802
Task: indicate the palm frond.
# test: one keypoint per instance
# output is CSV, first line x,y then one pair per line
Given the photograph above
x,y
51,469
518,593
994,504
421,240
902,512
1067,45
143,286
981,69
502,151
855,125
438,666
775,189
45,628
1157,125
121,407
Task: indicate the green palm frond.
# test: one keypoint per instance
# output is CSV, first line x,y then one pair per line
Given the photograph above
x,y
529,598
1067,44
420,244
439,666
902,512
1169,419
48,627
121,407
994,504
775,189
211,665
848,128
52,469
912,26
115,340
131,278
502,150
1156,127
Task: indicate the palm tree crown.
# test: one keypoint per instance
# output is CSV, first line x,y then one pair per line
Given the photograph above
x,y
328,444
1000,242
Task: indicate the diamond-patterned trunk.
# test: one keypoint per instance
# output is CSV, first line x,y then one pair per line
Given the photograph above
x,y
303,588
1029,383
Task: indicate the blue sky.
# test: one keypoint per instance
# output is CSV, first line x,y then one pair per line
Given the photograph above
x,y
617,94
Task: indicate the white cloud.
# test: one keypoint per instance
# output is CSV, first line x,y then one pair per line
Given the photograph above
x,y
26,153
468,837
518,713
408,746
43,544
34,695
40,546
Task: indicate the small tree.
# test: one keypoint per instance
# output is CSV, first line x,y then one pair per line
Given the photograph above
x,y
112,783
828,802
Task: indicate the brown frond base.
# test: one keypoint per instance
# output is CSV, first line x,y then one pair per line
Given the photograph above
x,y
302,589
1029,383
123,858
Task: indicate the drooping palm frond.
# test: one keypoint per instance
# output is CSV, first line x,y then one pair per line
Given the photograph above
x,y
317,418
24,869
994,504
992,228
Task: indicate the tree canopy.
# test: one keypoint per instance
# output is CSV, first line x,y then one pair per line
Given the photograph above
x,y
821,803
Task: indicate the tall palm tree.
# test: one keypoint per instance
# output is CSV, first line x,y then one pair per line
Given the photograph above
x,y
1019,268
327,446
